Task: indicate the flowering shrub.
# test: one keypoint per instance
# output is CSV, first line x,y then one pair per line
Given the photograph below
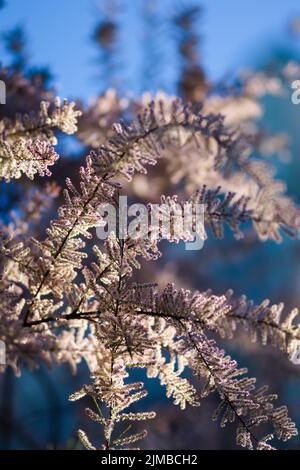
x,y
49,312
66,297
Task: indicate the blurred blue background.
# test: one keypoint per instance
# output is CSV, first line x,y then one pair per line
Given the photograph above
x,y
235,33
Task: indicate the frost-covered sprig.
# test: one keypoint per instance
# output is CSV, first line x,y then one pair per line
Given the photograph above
x,y
265,321
216,209
57,259
26,143
240,400
22,347
61,115
144,141
223,314
49,266
112,396
26,156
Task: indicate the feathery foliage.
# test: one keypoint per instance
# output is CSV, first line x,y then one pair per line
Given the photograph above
x,y
66,298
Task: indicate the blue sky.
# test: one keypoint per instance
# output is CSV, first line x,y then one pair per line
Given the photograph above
x,y
236,33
